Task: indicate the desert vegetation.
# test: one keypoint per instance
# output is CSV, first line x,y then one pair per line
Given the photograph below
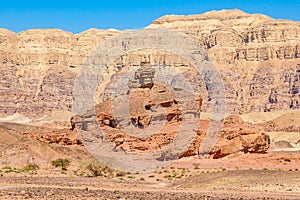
x,y
62,163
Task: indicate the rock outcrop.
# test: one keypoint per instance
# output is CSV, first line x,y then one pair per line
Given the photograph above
x,y
61,137
238,136
156,110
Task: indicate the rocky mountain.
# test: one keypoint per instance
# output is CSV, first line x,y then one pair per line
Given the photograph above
x,y
258,57
38,69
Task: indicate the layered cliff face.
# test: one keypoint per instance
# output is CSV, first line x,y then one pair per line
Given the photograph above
x,y
38,69
257,56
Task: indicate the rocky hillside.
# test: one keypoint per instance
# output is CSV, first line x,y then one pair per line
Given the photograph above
x,y
38,69
259,58
17,148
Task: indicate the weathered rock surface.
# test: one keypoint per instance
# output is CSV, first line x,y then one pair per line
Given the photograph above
x,y
156,110
237,136
18,150
38,69
62,137
257,55
258,58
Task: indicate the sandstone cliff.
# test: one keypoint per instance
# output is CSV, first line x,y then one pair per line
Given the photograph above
x,y
38,69
258,56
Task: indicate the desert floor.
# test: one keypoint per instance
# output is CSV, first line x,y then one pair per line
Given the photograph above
x,y
196,184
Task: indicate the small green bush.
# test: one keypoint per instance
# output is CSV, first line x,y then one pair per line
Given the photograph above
x,y
31,167
7,167
63,163
96,168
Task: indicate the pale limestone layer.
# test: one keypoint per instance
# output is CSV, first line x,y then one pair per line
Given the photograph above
x,y
38,69
257,55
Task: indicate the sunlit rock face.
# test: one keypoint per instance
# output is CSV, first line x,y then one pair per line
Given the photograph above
x,y
258,58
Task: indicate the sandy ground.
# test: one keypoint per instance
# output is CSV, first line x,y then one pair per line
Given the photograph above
x,y
246,176
275,175
260,117
273,160
292,137
232,184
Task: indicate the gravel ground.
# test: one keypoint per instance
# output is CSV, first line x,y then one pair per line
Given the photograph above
x,y
239,184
